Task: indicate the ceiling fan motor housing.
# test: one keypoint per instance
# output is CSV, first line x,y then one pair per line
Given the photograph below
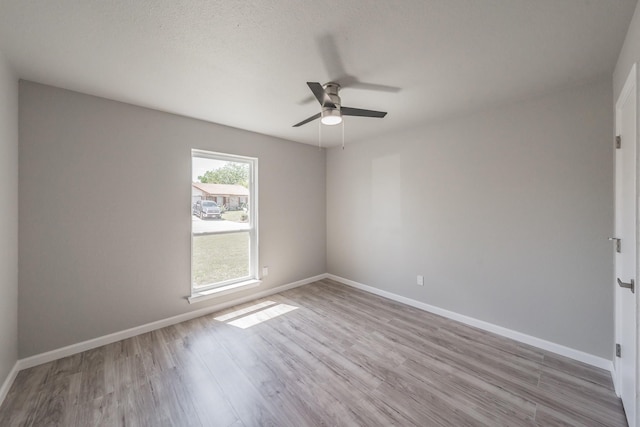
x,y
332,89
331,115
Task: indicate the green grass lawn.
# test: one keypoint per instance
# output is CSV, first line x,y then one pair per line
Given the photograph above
x,y
219,257
235,216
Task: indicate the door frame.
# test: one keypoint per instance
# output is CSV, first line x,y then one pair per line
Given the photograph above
x,y
630,86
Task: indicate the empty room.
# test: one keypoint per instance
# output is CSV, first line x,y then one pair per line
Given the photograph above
x,y
287,213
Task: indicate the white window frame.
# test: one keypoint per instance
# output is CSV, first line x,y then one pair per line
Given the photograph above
x,y
237,284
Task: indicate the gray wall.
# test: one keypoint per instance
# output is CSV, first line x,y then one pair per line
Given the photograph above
x,y
506,213
8,219
629,54
105,219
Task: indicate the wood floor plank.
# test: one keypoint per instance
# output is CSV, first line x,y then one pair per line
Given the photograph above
x,y
22,398
329,380
318,355
578,370
54,402
274,383
102,411
250,406
209,401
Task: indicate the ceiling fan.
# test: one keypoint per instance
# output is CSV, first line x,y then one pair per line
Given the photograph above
x,y
332,109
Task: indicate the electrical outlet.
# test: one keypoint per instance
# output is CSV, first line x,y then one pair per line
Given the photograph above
x,y
420,280
265,271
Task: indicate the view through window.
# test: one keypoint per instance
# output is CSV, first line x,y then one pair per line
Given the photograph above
x,y
223,220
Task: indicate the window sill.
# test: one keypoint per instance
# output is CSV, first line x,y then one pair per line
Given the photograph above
x,y
223,290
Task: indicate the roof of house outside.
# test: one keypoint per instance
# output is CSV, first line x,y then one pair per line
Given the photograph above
x,y
222,189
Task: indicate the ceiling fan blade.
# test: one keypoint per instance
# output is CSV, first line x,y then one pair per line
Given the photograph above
x,y
321,95
331,57
309,99
375,87
305,121
336,70
353,83
348,111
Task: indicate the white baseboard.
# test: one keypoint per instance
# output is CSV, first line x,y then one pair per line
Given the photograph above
x,y
59,353
69,350
6,385
571,353
614,378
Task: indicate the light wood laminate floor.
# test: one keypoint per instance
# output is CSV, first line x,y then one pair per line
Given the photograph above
x,y
321,354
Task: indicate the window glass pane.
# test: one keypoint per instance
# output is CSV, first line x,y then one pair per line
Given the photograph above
x,y
224,237
219,258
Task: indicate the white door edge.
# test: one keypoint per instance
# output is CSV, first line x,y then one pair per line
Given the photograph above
x,y
630,86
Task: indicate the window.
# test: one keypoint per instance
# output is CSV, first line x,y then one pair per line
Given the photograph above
x,y
224,238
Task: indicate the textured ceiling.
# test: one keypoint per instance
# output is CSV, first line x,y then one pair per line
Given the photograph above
x,y
245,63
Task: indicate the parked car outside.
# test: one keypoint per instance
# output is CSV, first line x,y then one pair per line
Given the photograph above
x,y
207,209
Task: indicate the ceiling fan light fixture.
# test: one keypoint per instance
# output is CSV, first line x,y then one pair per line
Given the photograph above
x,y
331,116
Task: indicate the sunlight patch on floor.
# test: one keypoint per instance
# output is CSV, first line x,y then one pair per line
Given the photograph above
x,y
243,311
255,314
262,316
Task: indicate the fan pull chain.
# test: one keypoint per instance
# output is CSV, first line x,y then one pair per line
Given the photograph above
x,y
319,135
343,133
